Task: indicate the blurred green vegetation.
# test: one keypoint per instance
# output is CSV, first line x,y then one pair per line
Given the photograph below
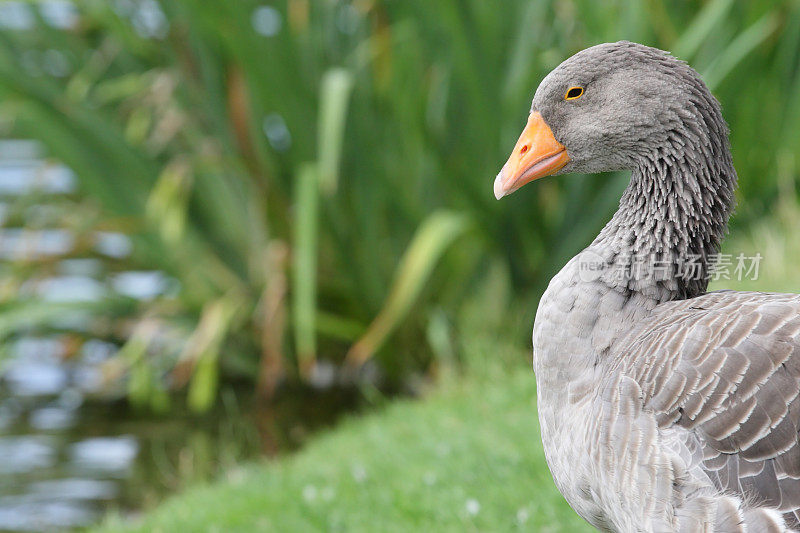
x,y
769,248
316,176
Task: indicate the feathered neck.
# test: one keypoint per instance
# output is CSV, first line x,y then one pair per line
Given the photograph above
x,y
674,214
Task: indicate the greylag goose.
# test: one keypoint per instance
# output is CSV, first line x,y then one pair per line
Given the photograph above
x,y
662,407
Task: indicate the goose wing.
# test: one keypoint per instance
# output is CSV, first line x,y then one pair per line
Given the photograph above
x,y
726,366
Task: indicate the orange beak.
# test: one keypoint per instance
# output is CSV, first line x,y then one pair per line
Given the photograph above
x,y
537,154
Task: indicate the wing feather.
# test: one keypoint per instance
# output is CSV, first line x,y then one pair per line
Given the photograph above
x,y
726,366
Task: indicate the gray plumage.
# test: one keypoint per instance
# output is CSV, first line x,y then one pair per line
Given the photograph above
x,y
662,407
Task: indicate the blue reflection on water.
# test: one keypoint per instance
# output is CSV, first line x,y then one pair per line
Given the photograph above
x,y
53,475
21,177
142,285
25,453
111,455
18,15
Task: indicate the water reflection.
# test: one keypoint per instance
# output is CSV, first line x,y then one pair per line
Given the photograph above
x,y
53,472
70,448
19,15
33,369
140,285
111,455
70,289
111,244
28,513
34,378
56,471
21,177
18,244
51,418
26,453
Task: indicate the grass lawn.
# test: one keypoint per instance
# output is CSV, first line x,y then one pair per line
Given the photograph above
x,y
467,457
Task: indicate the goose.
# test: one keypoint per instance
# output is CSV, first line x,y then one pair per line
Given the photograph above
x,y
662,407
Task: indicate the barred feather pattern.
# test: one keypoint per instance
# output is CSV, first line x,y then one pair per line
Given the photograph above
x,y
726,367
687,416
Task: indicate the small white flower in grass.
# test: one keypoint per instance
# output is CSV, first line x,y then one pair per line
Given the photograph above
x,y
522,516
429,478
359,473
309,493
473,507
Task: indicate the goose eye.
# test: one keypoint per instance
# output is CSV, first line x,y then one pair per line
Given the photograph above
x,y
574,93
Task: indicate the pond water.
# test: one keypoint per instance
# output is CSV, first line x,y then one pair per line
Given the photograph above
x,y
71,452
68,457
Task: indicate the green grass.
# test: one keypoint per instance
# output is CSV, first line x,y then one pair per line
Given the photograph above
x,y
466,458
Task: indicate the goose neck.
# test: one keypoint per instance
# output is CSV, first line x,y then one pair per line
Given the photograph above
x,y
671,220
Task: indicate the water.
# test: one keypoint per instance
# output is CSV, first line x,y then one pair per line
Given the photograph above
x,y
71,449
54,473
59,466
68,456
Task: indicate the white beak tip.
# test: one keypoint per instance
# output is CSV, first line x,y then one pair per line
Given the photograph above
x,y
499,192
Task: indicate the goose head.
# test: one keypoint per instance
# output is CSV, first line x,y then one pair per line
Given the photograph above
x,y
615,106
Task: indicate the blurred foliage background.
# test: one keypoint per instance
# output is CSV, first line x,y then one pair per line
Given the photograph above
x,y
206,202
313,178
